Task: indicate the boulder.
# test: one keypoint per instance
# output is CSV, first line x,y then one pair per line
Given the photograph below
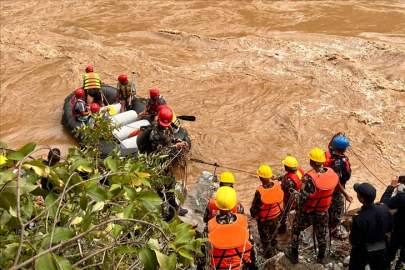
x,y
197,200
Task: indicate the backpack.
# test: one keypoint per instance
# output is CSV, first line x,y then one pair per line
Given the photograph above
x,y
142,140
341,166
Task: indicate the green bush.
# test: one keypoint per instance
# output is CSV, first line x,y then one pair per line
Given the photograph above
x,y
83,223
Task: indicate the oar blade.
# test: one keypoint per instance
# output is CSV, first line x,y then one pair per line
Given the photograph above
x,y
187,117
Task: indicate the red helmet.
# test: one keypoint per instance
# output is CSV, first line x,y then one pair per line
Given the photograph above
x,y
165,117
94,107
153,92
89,69
123,79
79,92
161,106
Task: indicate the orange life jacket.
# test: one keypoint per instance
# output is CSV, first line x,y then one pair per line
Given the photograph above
x,y
325,184
296,177
230,242
91,81
153,104
214,210
75,112
272,199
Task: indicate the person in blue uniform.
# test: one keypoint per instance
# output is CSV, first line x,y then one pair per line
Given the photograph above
x,y
397,240
368,234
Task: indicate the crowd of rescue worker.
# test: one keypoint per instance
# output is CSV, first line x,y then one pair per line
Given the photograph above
x,y
318,198
164,123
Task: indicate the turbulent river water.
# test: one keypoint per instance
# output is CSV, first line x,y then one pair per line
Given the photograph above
x,y
264,78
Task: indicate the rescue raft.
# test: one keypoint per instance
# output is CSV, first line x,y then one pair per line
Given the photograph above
x,y
127,120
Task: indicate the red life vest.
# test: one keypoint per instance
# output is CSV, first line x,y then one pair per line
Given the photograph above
x,y
272,199
230,242
76,112
296,177
153,104
325,184
214,210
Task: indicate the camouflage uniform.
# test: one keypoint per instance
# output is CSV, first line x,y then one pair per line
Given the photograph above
x,y
337,206
240,210
266,228
286,186
162,141
302,220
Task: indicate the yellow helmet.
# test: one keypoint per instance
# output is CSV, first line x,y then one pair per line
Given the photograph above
x,y
225,198
264,171
227,177
317,155
290,161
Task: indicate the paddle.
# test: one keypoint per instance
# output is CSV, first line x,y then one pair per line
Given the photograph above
x,y
187,117
132,90
112,111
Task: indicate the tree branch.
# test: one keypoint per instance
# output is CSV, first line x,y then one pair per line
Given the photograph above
x,y
15,267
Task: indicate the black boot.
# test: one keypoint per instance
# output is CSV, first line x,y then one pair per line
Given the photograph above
x,y
282,229
321,257
292,254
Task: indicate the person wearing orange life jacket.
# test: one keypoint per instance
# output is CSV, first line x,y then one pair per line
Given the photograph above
x,y
226,179
267,206
339,162
231,243
312,204
124,92
79,108
152,103
289,182
92,85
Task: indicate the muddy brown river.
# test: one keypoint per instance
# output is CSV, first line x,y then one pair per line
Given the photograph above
x,y
264,78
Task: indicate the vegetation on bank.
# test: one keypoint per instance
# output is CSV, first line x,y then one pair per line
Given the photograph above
x,y
100,213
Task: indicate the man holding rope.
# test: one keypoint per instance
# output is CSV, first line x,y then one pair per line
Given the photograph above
x,y
313,204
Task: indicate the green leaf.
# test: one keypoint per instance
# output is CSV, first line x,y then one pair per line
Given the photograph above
x,y
25,187
171,262
124,250
116,231
111,163
15,156
45,263
178,194
3,145
184,238
28,148
84,201
145,182
81,162
10,252
149,206
147,195
186,254
4,218
98,206
162,259
6,175
59,234
153,244
41,171
131,192
64,263
98,193
148,259
8,201
129,211
49,200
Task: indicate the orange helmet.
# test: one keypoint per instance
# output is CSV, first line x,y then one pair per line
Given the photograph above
x,y
89,69
153,92
94,107
123,79
165,117
79,92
